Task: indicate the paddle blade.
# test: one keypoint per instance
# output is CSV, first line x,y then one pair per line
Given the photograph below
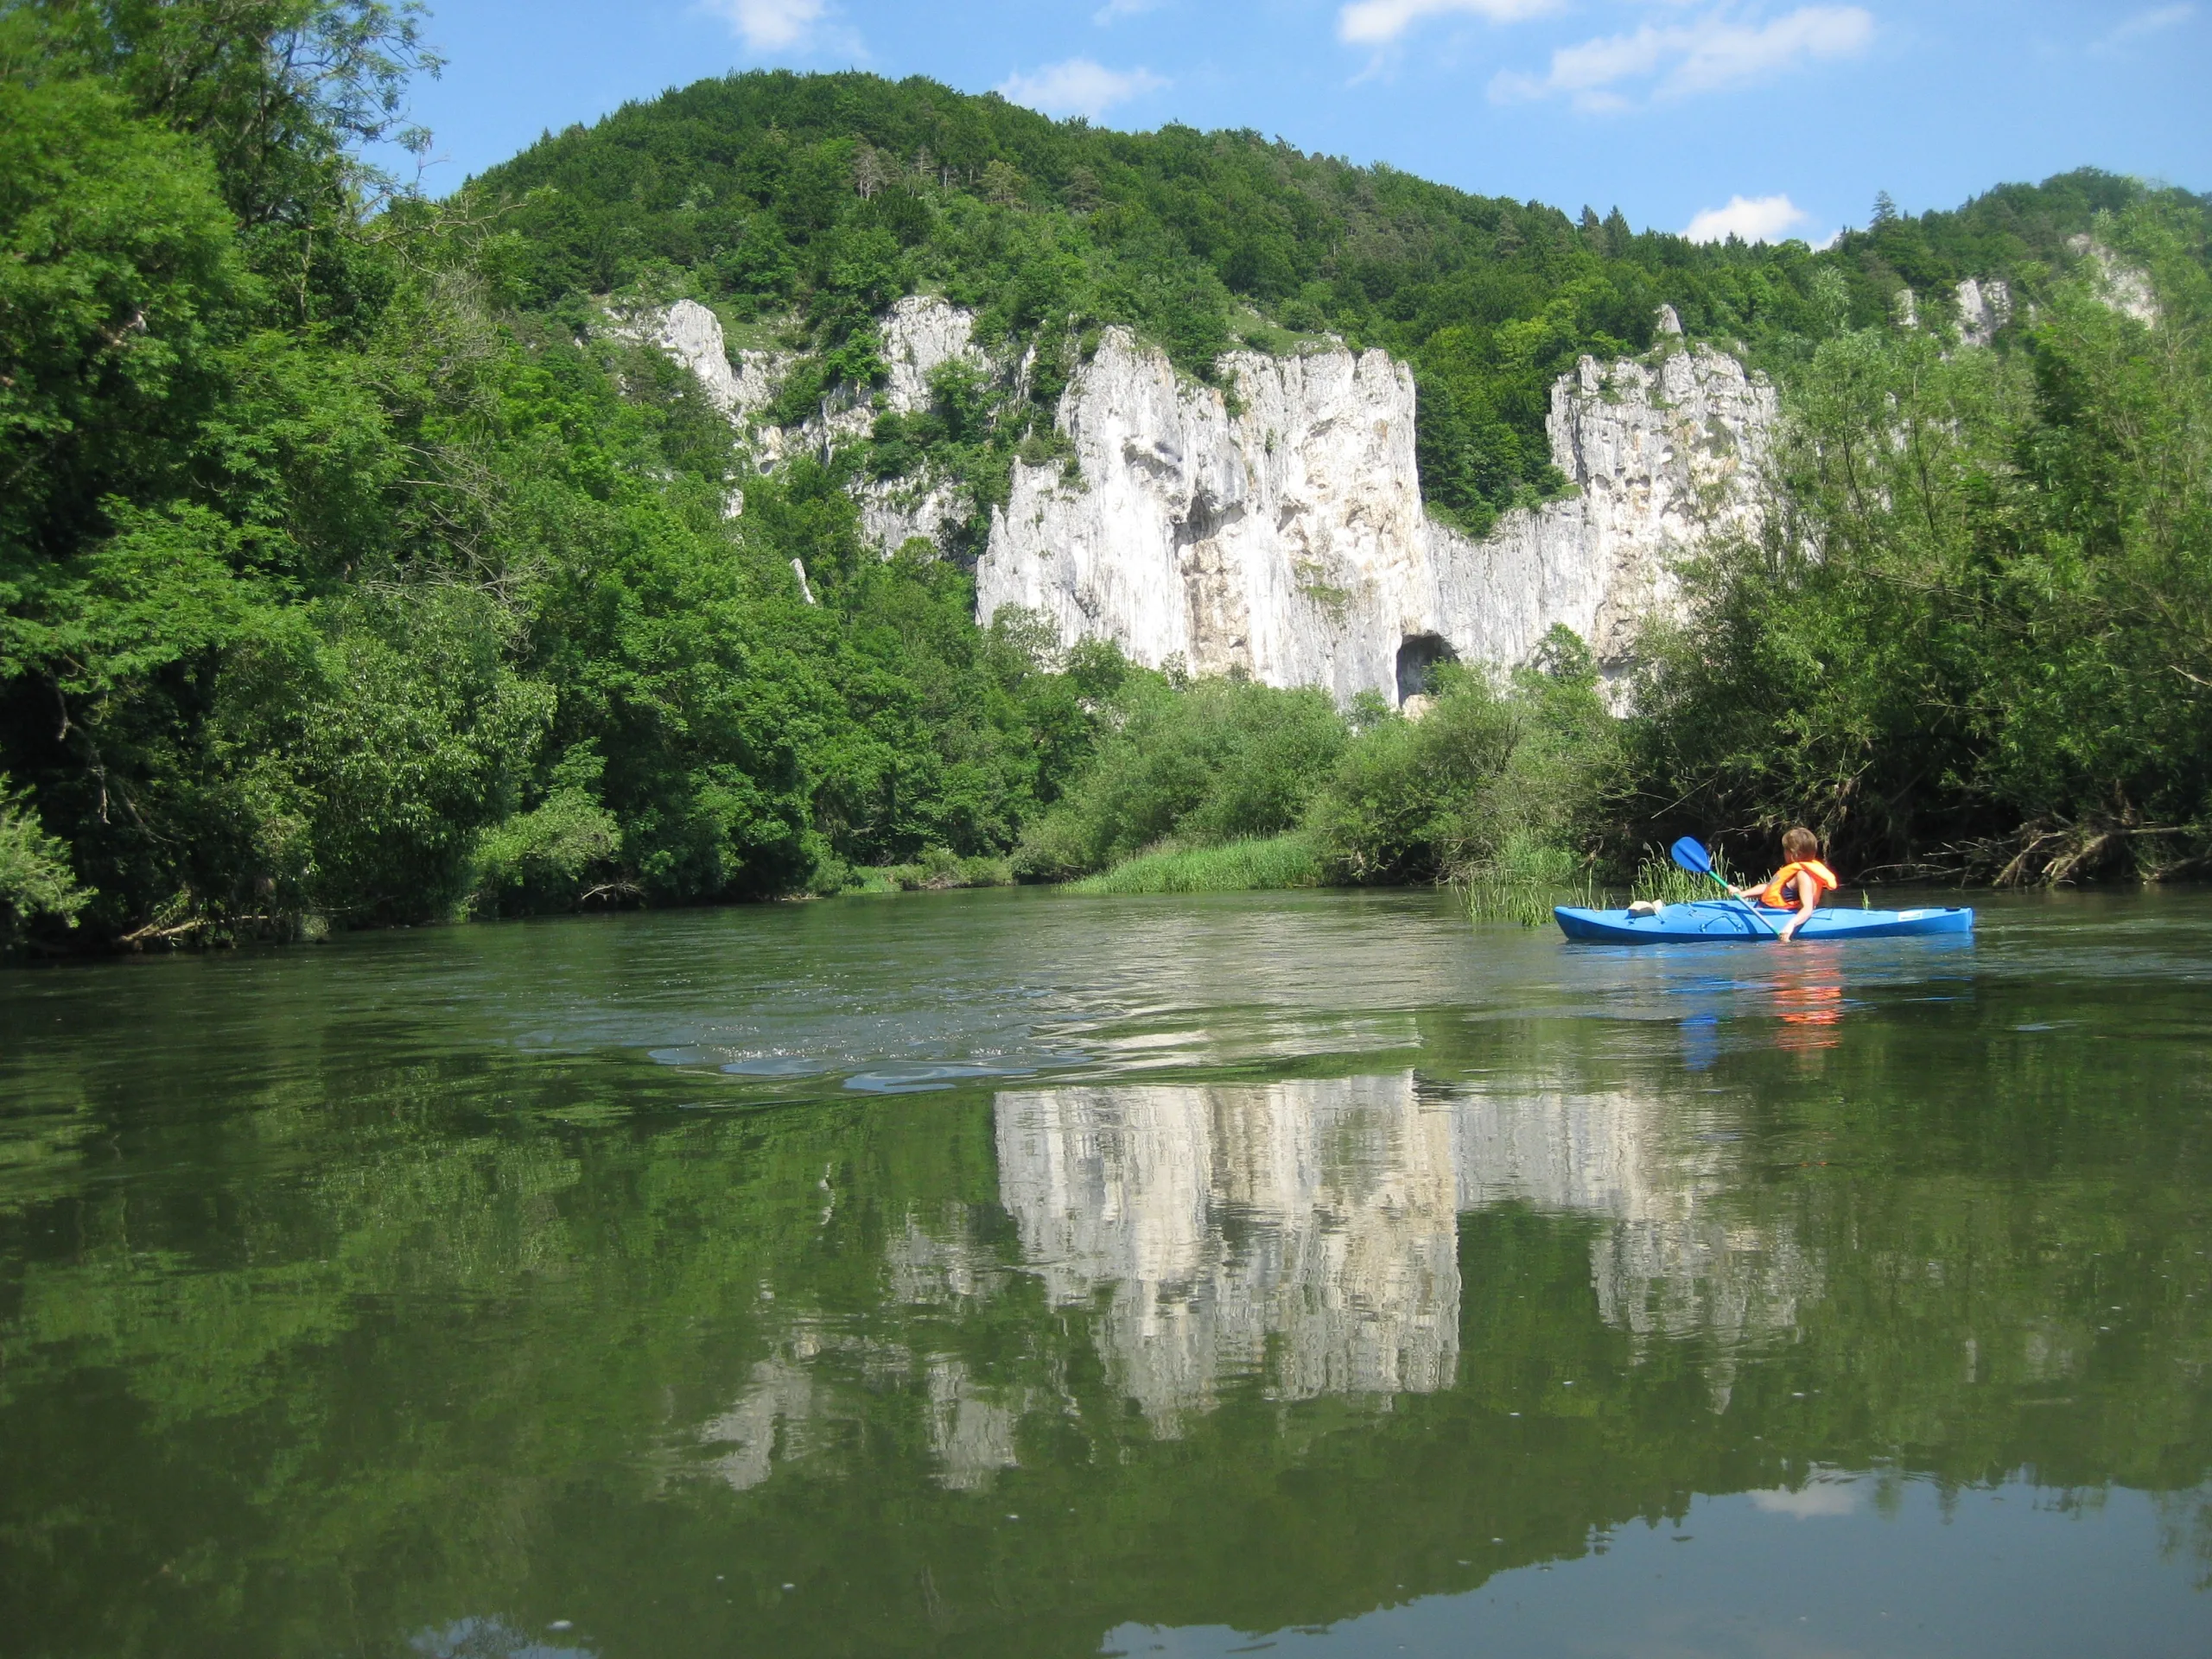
x,y
1691,855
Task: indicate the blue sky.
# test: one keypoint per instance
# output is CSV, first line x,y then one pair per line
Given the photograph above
x,y
1762,115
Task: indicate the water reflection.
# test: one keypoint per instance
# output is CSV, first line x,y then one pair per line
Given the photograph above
x,y
1306,1232
490,1638
1808,997
1676,1254
336,1316
1300,1236
1304,1229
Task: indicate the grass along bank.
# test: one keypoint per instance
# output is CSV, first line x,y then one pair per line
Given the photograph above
x,y
1260,862
936,870
1530,876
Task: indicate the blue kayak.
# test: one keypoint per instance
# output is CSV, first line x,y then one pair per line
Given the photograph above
x,y
1723,921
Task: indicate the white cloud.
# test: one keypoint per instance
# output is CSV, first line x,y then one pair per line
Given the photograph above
x,y
771,25
1731,56
1079,86
1755,218
1378,22
1114,11
1814,1499
2153,22
1683,60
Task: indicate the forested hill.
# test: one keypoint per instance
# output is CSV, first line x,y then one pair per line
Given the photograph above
x,y
353,571
765,191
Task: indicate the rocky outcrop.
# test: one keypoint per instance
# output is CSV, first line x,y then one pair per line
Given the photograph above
x,y
739,383
1279,538
920,335
2123,286
1284,535
1273,524
1662,457
1983,307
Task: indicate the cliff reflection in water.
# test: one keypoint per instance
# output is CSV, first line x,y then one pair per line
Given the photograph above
x,y
1306,1232
1307,1227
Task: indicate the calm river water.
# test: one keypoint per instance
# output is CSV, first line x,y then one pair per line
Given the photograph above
x,y
1024,1273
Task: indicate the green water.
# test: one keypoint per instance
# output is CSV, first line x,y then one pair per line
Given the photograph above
x,y
1026,1273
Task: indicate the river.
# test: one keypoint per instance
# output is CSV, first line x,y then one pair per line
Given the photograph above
x,y
1019,1273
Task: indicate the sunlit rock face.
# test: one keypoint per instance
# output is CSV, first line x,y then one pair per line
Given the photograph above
x,y
740,385
1983,307
2126,289
921,335
1663,458
1273,525
1284,536
1303,1232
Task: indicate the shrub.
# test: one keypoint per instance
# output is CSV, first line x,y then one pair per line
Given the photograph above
x,y
1221,760
35,875
1488,768
538,859
1277,862
1525,877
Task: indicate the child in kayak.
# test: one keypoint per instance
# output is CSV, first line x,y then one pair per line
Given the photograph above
x,y
1798,885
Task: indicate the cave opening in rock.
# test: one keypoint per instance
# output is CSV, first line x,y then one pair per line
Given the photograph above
x,y
1417,660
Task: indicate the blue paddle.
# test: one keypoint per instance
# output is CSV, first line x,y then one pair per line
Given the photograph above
x,y
1691,855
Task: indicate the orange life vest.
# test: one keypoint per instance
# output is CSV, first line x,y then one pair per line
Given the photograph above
x,y
1823,877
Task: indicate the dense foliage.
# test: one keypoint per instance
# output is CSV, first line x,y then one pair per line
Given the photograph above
x,y
822,197
332,582
352,567
1976,635
1488,777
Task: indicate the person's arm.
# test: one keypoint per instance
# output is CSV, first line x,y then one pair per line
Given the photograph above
x,y
1808,900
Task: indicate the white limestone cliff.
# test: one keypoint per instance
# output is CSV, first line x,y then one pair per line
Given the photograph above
x,y
1273,525
1662,460
740,384
1984,308
1288,540
2124,288
920,335
1281,540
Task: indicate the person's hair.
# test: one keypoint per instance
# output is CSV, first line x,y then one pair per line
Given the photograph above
x,y
1800,842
